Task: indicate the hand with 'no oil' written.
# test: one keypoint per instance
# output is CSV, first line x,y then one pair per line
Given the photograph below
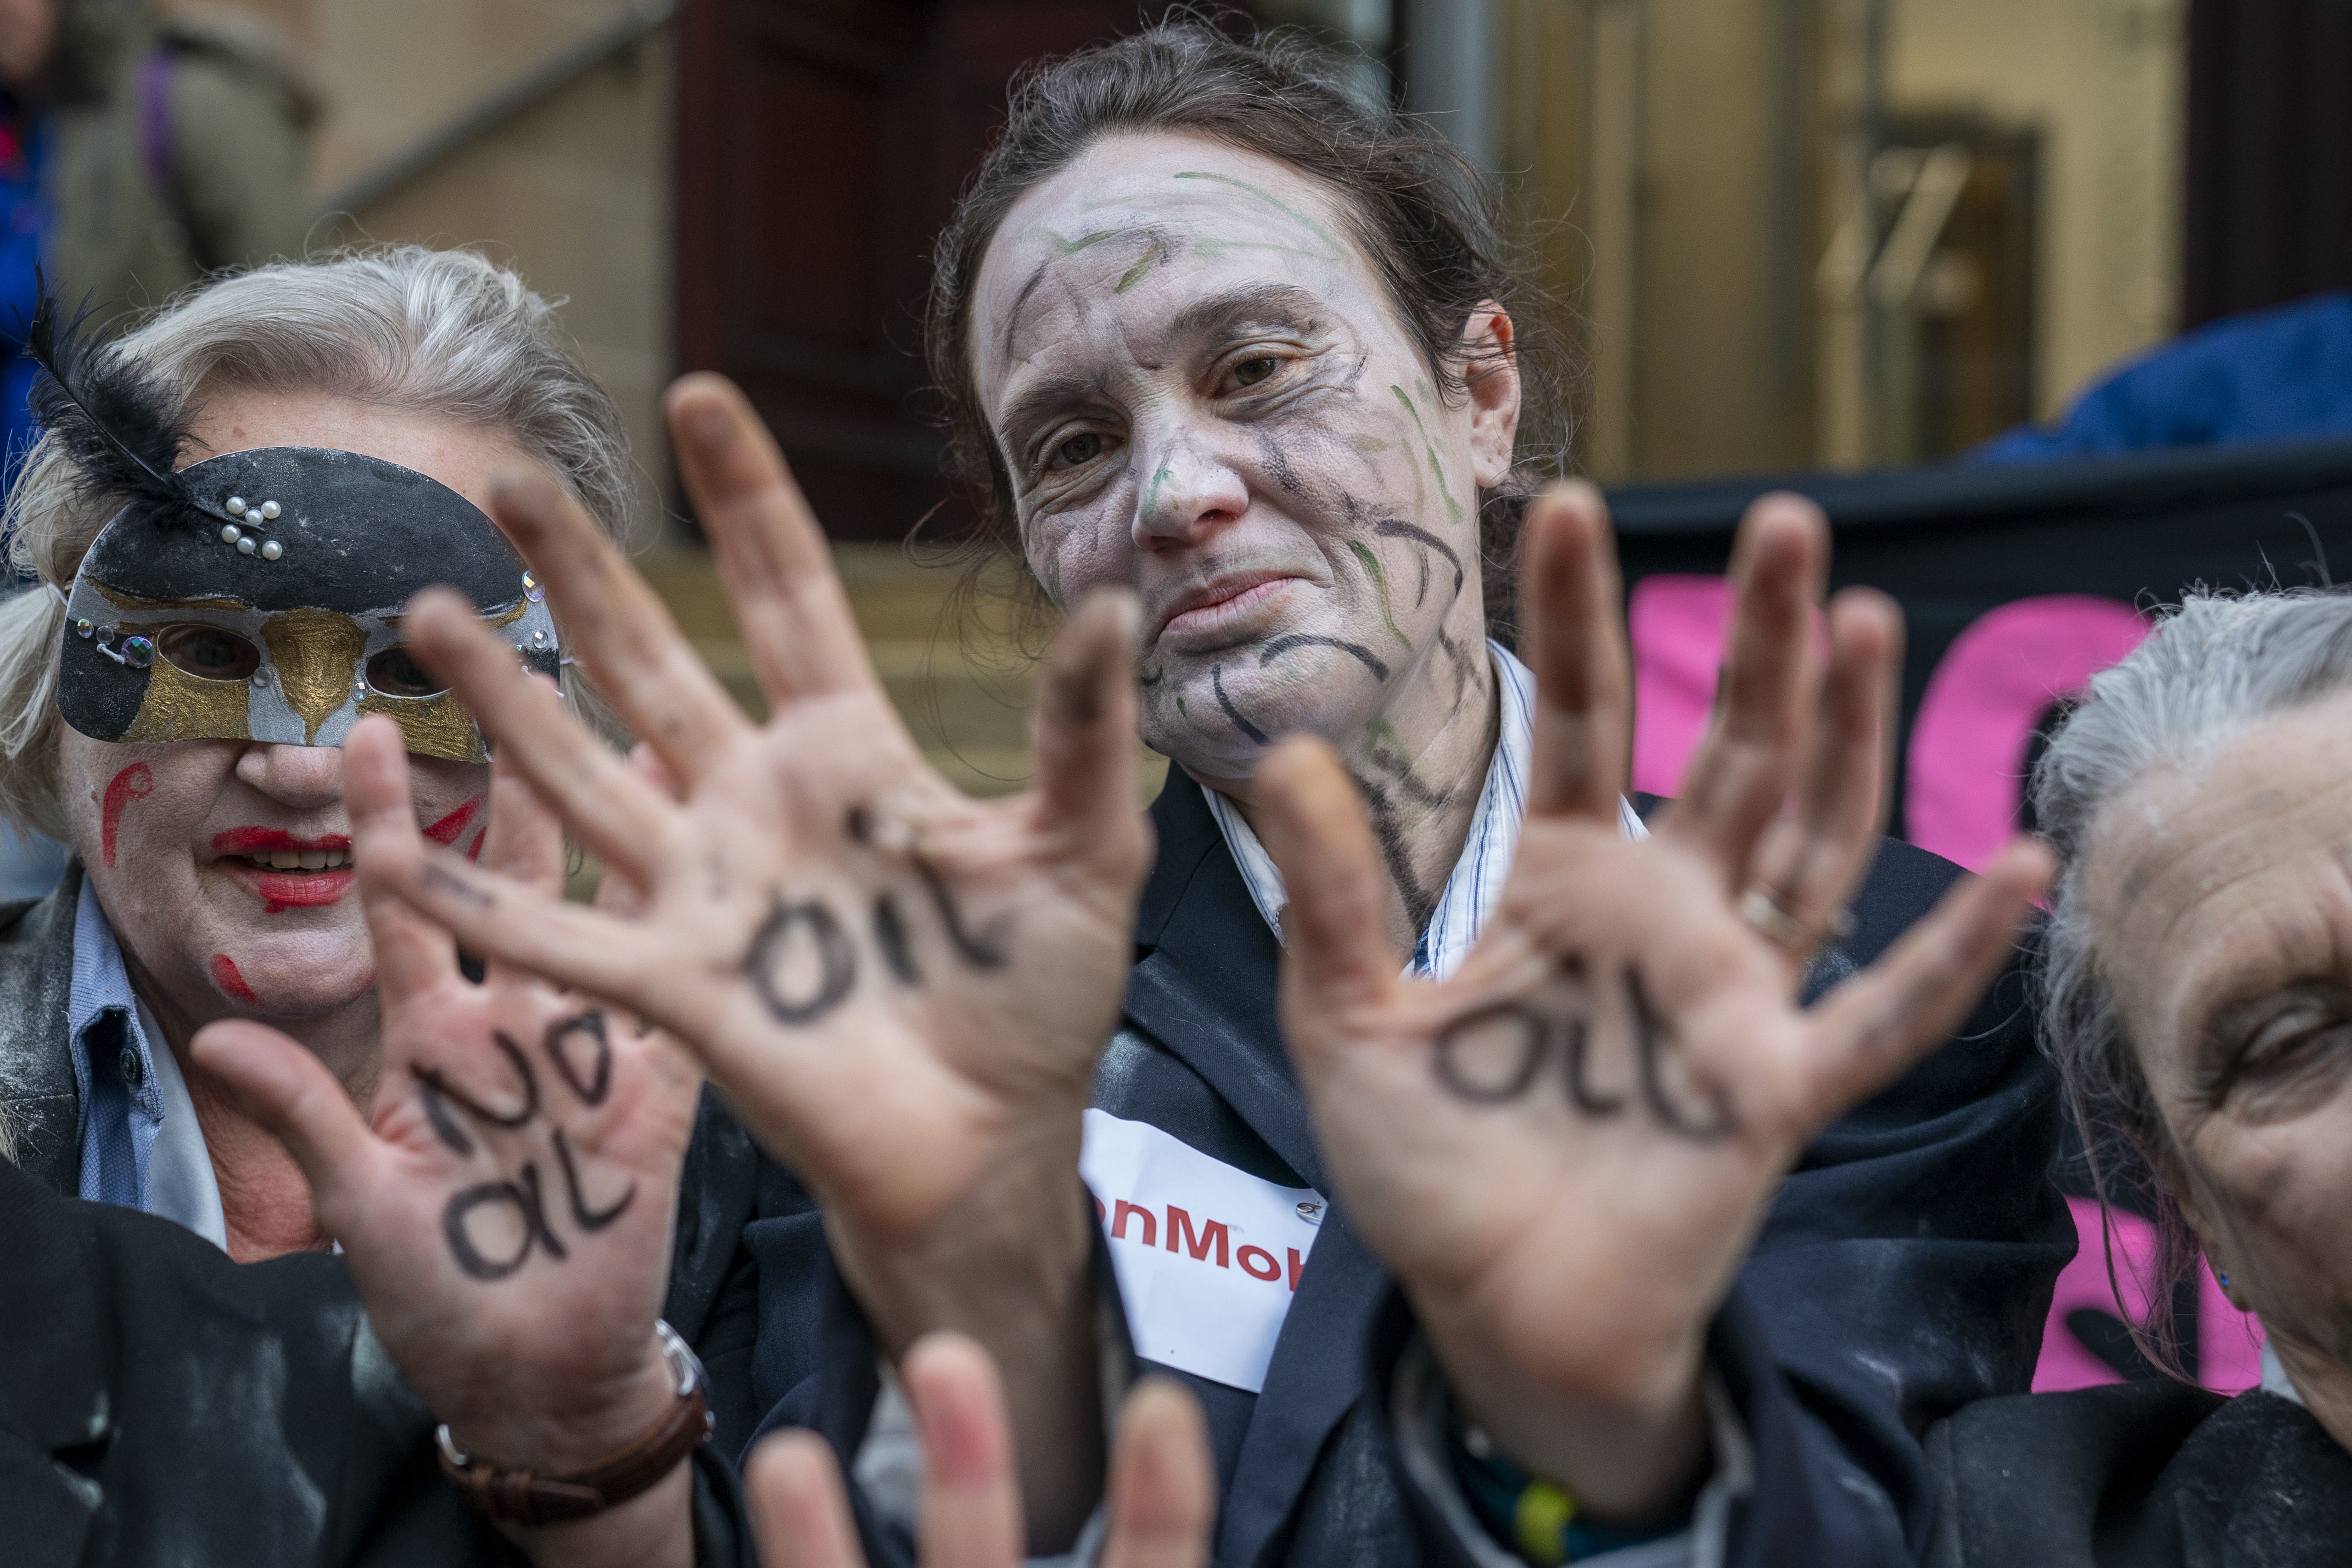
x,y
506,1208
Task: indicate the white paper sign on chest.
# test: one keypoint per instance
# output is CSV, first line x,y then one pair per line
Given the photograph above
x,y
1208,1257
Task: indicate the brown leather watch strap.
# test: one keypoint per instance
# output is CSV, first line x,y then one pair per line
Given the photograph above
x,y
527,1498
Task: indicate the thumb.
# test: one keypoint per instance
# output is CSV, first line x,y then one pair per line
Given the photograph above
x,y
1315,827
280,1084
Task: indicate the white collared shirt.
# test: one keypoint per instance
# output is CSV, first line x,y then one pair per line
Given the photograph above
x,y
1476,885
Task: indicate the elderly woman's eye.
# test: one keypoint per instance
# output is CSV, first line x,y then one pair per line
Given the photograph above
x,y
208,653
396,674
1250,372
1080,448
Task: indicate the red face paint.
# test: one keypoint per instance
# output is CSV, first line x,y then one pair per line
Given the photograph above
x,y
232,985
133,783
474,850
447,830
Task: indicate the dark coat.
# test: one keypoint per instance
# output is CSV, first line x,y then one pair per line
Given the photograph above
x,y
2139,1475
162,1405
712,1280
1905,1271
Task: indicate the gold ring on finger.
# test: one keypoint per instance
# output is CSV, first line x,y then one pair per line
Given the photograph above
x,y
1773,919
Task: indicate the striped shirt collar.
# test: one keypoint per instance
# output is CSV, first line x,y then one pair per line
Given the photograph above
x,y
1476,883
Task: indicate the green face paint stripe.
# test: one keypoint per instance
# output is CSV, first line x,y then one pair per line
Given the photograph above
x,y
1368,443
1270,199
1129,279
1452,507
1072,247
1180,705
1151,491
1409,409
1380,583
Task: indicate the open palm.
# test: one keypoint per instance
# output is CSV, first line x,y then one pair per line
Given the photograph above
x,y
1565,1151
506,1208
890,979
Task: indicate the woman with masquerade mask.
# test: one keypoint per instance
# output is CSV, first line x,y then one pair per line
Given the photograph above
x,y
231,506
1217,334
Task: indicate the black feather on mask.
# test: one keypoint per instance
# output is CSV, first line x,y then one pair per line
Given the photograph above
x,y
122,426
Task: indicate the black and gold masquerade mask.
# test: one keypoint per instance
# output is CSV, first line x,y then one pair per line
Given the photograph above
x,y
257,596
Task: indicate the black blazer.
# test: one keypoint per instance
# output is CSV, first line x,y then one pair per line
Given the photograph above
x,y
162,1405
2142,1475
1904,1271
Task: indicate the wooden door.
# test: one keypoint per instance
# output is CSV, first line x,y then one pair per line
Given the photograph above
x,y
821,145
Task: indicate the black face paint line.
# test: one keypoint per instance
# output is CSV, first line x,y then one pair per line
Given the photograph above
x,y
1276,460
530,1205
775,945
588,1220
1397,768
1217,684
1396,850
1355,650
1392,528
597,1082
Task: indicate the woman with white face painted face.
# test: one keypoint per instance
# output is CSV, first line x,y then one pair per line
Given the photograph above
x,y
1218,333
207,1019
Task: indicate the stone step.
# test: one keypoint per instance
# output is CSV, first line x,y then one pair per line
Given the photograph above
x,y
955,659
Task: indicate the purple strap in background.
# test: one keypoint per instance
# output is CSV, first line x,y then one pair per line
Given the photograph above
x,y
158,148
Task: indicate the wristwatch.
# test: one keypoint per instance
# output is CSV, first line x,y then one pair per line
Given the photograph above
x,y
526,1497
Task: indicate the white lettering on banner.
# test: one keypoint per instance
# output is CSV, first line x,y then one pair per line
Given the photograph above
x,y
1207,1256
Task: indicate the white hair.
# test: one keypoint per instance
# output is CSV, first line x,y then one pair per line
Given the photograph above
x,y
448,333
2215,666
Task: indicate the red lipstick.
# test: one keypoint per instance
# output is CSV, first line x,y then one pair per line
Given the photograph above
x,y
283,887
263,840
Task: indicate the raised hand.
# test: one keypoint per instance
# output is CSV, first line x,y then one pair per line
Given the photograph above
x,y
1161,1486
902,991
1565,1151
507,1209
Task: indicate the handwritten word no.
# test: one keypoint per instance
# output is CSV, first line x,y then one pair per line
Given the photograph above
x,y
583,1058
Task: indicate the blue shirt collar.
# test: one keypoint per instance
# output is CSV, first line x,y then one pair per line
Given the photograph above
x,y
114,1066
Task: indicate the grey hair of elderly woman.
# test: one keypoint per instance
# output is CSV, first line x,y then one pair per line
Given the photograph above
x,y
2209,670
448,332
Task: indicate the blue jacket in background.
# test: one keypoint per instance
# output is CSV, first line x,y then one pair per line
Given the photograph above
x,y
2268,376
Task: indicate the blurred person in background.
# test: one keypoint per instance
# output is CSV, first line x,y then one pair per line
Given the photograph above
x,y
2283,373
138,151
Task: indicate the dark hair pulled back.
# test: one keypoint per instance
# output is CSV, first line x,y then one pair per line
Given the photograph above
x,y
1429,222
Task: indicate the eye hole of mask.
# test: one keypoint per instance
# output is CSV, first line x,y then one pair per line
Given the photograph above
x,y
395,673
207,652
